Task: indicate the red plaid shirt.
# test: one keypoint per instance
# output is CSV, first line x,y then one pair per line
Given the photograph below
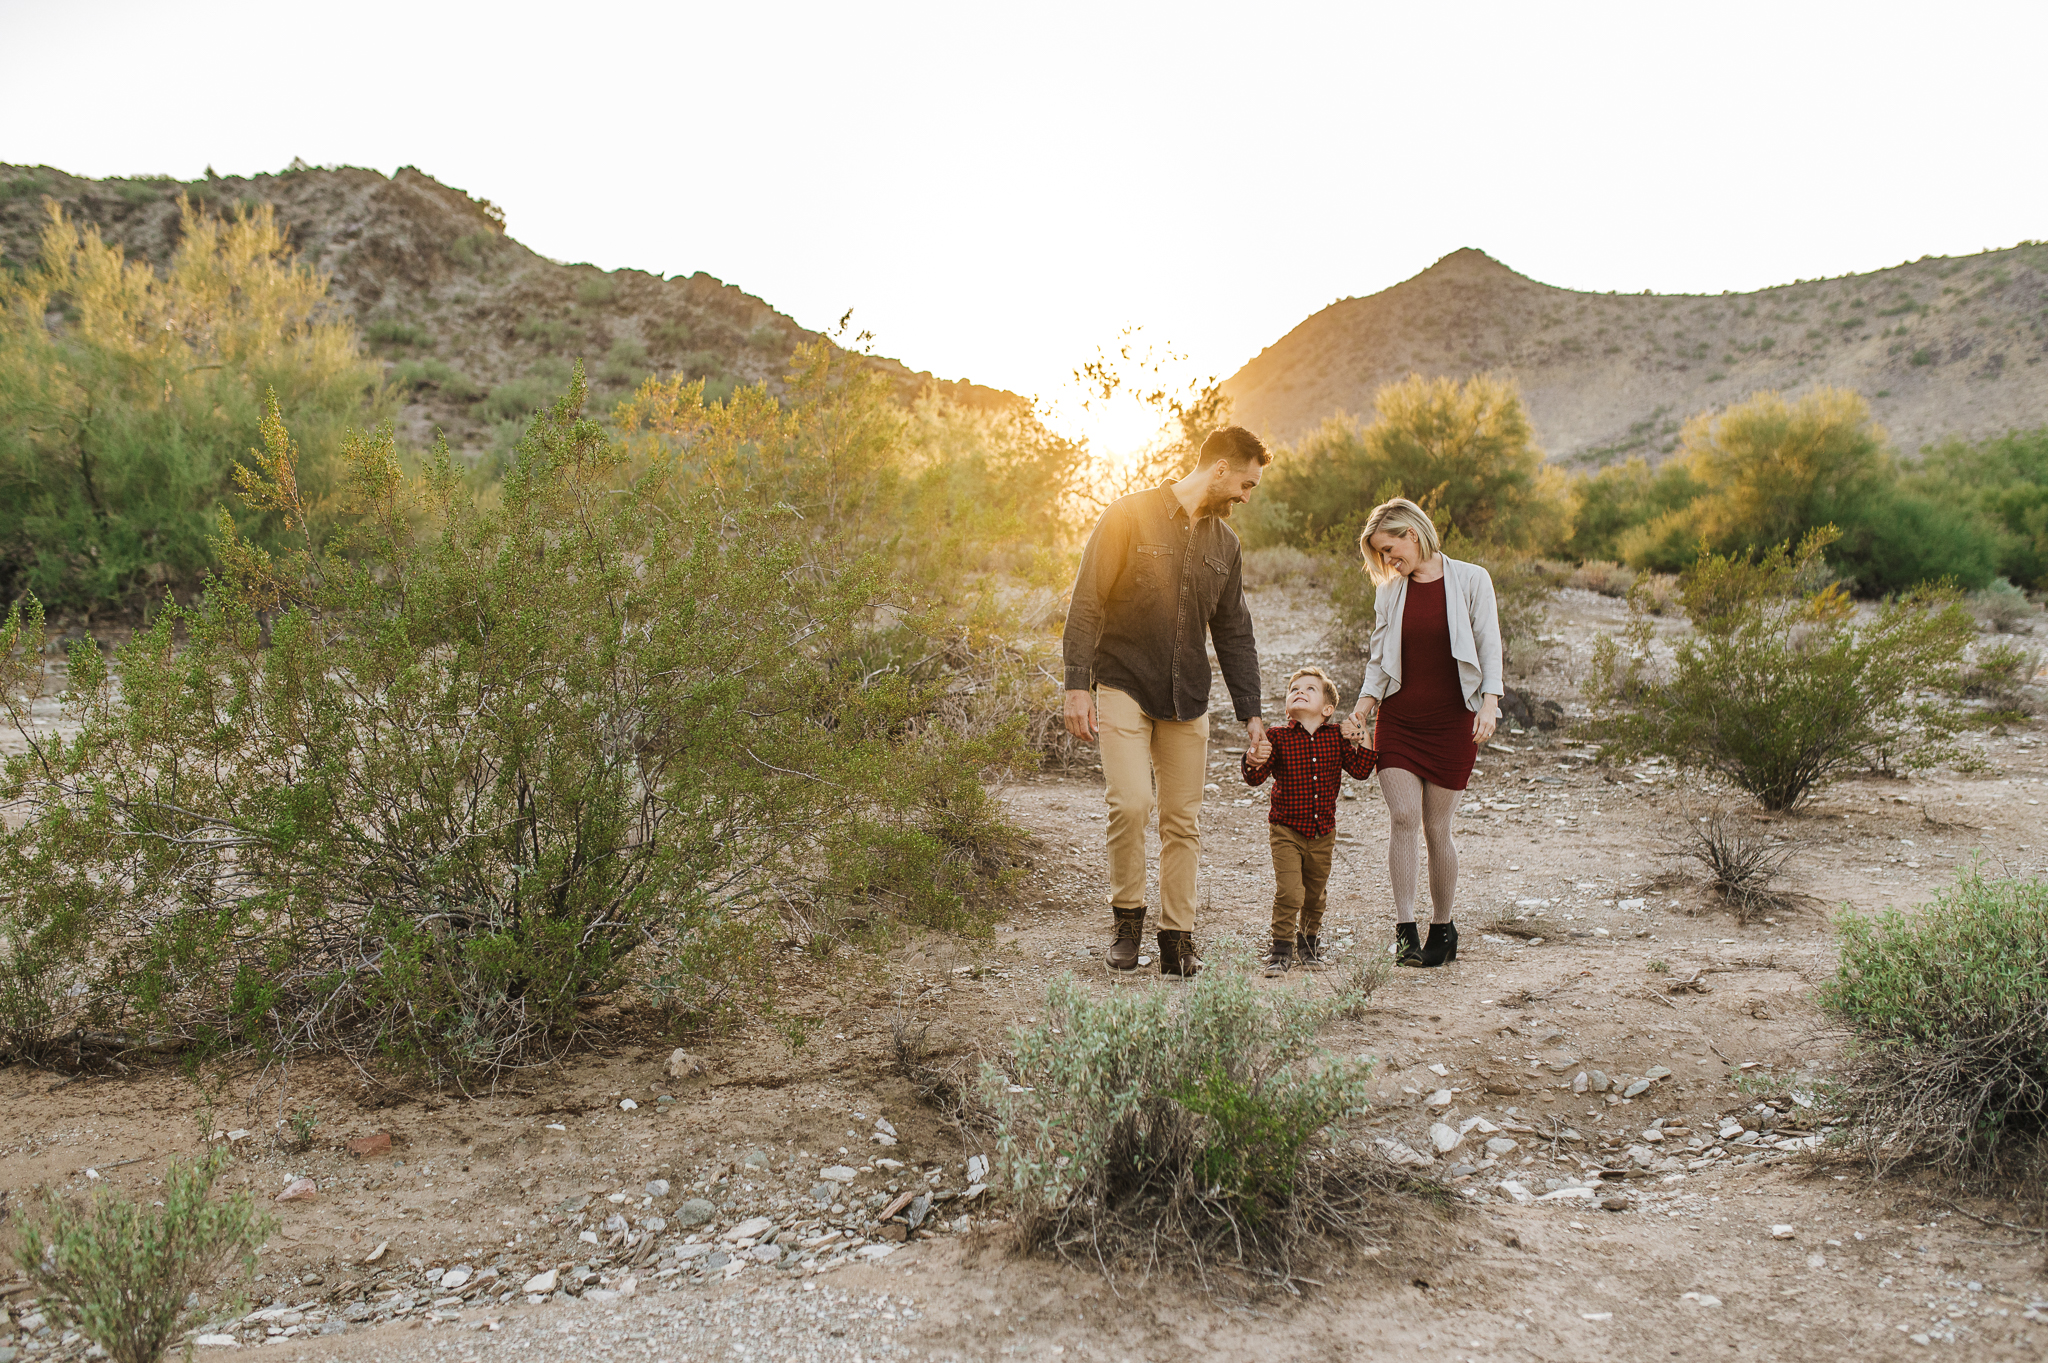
x,y
1306,770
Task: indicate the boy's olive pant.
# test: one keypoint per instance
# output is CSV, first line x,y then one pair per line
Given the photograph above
x,y
1301,878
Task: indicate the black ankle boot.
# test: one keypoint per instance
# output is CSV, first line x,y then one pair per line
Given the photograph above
x,y
1442,945
1407,945
1308,951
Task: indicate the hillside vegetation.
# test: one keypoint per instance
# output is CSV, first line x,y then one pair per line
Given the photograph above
x,y
1942,348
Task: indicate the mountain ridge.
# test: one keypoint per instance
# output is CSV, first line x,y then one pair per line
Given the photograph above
x,y
1941,346
473,326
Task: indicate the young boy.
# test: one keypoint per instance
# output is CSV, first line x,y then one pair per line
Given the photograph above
x,y
1306,757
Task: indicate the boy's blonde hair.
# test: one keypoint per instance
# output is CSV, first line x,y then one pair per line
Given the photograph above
x,y
1329,686
1394,517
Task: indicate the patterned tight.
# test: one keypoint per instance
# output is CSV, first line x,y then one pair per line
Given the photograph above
x,y
1418,810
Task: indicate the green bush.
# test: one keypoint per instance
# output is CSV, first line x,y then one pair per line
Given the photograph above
x,y
1179,1125
1782,686
517,400
119,432
1946,1011
2003,606
122,1270
548,332
394,331
472,249
597,290
415,375
426,791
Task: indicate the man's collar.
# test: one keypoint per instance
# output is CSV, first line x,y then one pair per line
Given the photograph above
x,y
1173,506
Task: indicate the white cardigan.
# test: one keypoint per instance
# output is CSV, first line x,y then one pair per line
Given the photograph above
x,y
1475,633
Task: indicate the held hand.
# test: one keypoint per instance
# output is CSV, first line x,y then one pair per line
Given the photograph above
x,y
1363,713
1483,723
1351,729
1080,714
1260,752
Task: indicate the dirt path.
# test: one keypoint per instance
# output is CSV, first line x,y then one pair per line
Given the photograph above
x,y
1531,1264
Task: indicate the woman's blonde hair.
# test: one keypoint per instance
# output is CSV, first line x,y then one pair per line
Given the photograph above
x,y
1394,517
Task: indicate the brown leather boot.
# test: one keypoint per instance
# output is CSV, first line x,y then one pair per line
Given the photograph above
x,y
1130,932
1177,955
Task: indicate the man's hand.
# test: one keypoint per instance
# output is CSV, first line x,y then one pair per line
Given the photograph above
x,y
1081,714
1257,746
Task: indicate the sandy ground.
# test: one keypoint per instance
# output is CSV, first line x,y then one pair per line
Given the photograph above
x,y
1528,1264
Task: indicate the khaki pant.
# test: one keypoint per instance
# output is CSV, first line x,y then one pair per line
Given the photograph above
x,y
1301,880
1140,756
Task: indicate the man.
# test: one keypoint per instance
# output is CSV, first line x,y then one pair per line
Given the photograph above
x,y
1161,573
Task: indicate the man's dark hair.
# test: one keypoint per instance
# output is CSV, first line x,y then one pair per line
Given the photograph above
x,y
1236,444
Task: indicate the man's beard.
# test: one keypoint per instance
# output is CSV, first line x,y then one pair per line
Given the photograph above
x,y
1219,506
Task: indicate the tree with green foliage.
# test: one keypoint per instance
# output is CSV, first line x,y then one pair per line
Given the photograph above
x,y
1768,471
2005,482
423,790
126,397
1465,450
1784,683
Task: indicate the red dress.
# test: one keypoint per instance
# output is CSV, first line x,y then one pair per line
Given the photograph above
x,y
1424,727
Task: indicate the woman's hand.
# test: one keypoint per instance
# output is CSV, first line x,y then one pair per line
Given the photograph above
x,y
1489,715
1362,713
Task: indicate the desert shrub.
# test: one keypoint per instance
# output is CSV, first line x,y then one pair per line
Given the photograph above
x,y
1465,450
1172,1127
672,333
472,249
625,363
1783,685
597,290
1283,565
769,337
2002,676
1621,497
1946,1011
548,332
119,429
1603,577
2005,482
394,331
1742,860
2002,606
496,749
438,374
122,1270
517,400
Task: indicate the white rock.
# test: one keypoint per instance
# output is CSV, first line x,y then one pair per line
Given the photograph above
x,y
1568,1195
1816,1260
1516,1191
657,1187
1580,1082
749,1229
1782,1232
1444,1138
598,1296
588,1237
542,1283
882,1125
878,1251
681,1064
892,1165
1399,1152
1439,1071
614,1223
456,1276
218,1342
977,1168
1653,1135
879,1139
1441,1098
1501,1145
1630,905
628,1105
1700,1298
1479,1124
628,1287
839,1173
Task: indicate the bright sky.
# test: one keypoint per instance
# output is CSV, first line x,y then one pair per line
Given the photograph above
x,y
996,190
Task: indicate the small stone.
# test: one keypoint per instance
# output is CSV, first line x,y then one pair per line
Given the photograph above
x,y
1700,1298
374,1255
365,1147
1782,1232
892,1165
542,1283
1444,1138
749,1229
628,1105
1653,1136
977,1168
657,1187
614,1223
1643,1155
1614,1204
1439,1071
456,1276
299,1190
203,1341
1400,1153
682,1065
823,1193
879,1139
882,1125
1516,1191
1816,1261
1501,1145
1597,1082
878,1251
1637,1089
598,1296
1656,1072
1581,1082
588,1237
1479,1124
1630,905
1441,1098
840,1173
655,1224
718,1258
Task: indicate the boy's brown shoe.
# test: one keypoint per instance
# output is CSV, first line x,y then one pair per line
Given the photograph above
x,y
1177,954
1308,951
1280,960
1130,931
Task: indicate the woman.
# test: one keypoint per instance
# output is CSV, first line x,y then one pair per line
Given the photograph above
x,y
1432,683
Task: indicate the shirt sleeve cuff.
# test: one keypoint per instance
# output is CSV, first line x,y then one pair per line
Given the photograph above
x,y
1080,678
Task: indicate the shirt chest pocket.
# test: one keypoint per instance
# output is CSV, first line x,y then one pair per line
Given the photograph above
x,y
1215,572
1151,566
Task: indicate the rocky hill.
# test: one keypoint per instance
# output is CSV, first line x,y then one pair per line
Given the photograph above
x,y
473,327
1941,347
